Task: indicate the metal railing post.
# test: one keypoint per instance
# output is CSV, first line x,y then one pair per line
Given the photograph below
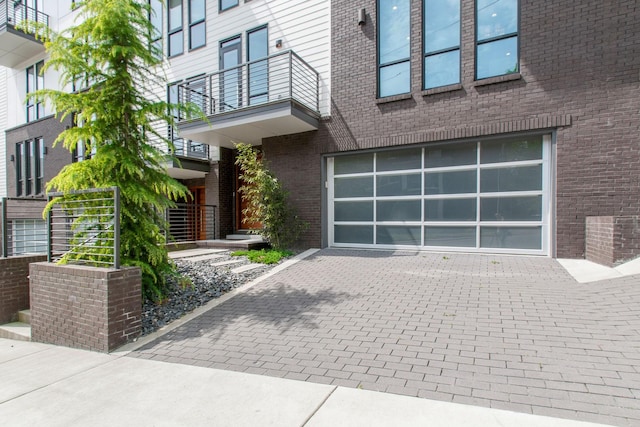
x,y
116,227
49,232
5,237
290,74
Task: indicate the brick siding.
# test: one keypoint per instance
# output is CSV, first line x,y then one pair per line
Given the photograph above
x,y
14,285
85,307
578,80
612,240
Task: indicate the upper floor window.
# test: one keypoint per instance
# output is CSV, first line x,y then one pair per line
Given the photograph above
x,y
441,43
155,16
227,4
35,81
197,33
29,167
176,40
496,38
394,40
258,48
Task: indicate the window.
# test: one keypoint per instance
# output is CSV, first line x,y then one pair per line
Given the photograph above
x,y
35,81
258,47
441,43
227,4
197,31
496,38
173,99
83,151
155,16
176,41
394,74
29,167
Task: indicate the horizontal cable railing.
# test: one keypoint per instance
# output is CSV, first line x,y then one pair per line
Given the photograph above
x,y
84,227
187,148
22,229
279,77
15,13
189,222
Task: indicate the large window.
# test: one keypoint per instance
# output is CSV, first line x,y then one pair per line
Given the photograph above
x,y
155,16
176,39
258,48
394,47
30,167
197,31
496,38
35,81
441,43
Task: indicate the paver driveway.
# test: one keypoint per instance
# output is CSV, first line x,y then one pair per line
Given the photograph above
x,y
508,332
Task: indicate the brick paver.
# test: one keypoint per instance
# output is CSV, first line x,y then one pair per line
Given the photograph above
x,y
508,332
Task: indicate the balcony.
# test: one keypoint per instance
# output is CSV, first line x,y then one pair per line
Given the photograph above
x,y
192,160
277,95
16,46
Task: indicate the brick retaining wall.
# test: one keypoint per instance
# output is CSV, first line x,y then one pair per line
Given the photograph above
x,y
85,307
14,285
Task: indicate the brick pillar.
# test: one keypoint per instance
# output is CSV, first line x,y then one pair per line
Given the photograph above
x,y
85,307
611,240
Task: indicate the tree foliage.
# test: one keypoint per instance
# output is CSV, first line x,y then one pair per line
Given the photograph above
x,y
109,50
267,201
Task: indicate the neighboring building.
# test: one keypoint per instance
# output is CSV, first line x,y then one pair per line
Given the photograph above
x,y
477,126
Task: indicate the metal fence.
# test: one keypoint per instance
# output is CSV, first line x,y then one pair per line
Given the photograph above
x,y
84,227
22,229
16,12
190,222
275,78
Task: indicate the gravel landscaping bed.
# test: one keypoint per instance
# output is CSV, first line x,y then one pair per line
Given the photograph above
x,y
208,282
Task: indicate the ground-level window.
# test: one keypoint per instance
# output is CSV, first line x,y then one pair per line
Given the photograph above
x,y
489,196
28,236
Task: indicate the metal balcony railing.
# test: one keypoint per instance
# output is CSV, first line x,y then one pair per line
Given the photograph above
x,y
187,148
16,12
279,77
189,222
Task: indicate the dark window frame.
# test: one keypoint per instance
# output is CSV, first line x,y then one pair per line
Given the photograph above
x,y
34,110
425,54
19,171
193,24
248,37
478,43
220,9
156,33
177,30
380,66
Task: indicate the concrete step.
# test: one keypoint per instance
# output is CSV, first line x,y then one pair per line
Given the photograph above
x,y
16,331
243,237
24,316
246,267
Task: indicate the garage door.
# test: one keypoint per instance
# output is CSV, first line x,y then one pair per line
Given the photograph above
x,y
481,196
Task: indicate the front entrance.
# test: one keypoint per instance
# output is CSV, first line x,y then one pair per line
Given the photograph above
x,y
196,215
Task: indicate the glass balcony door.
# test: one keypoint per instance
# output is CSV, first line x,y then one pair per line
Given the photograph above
x,y
231,80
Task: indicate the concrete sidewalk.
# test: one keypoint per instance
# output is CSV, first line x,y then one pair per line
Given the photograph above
x,y
55,386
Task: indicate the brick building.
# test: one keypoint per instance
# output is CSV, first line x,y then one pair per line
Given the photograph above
x,y
479,126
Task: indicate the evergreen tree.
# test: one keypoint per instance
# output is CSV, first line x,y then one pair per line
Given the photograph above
x,y
110,50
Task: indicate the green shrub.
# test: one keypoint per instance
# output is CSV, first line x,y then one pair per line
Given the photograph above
x,y
264,256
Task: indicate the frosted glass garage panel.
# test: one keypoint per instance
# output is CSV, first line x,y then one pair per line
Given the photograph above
x,y
353,211
399,185
523,178
357,163
451,155
362,234
398,210
511,150
399,160
450,182
511,208
511,237
398,235
450,209
361,186
459,237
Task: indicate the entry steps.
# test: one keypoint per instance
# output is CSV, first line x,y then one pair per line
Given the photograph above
x,y
20,330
